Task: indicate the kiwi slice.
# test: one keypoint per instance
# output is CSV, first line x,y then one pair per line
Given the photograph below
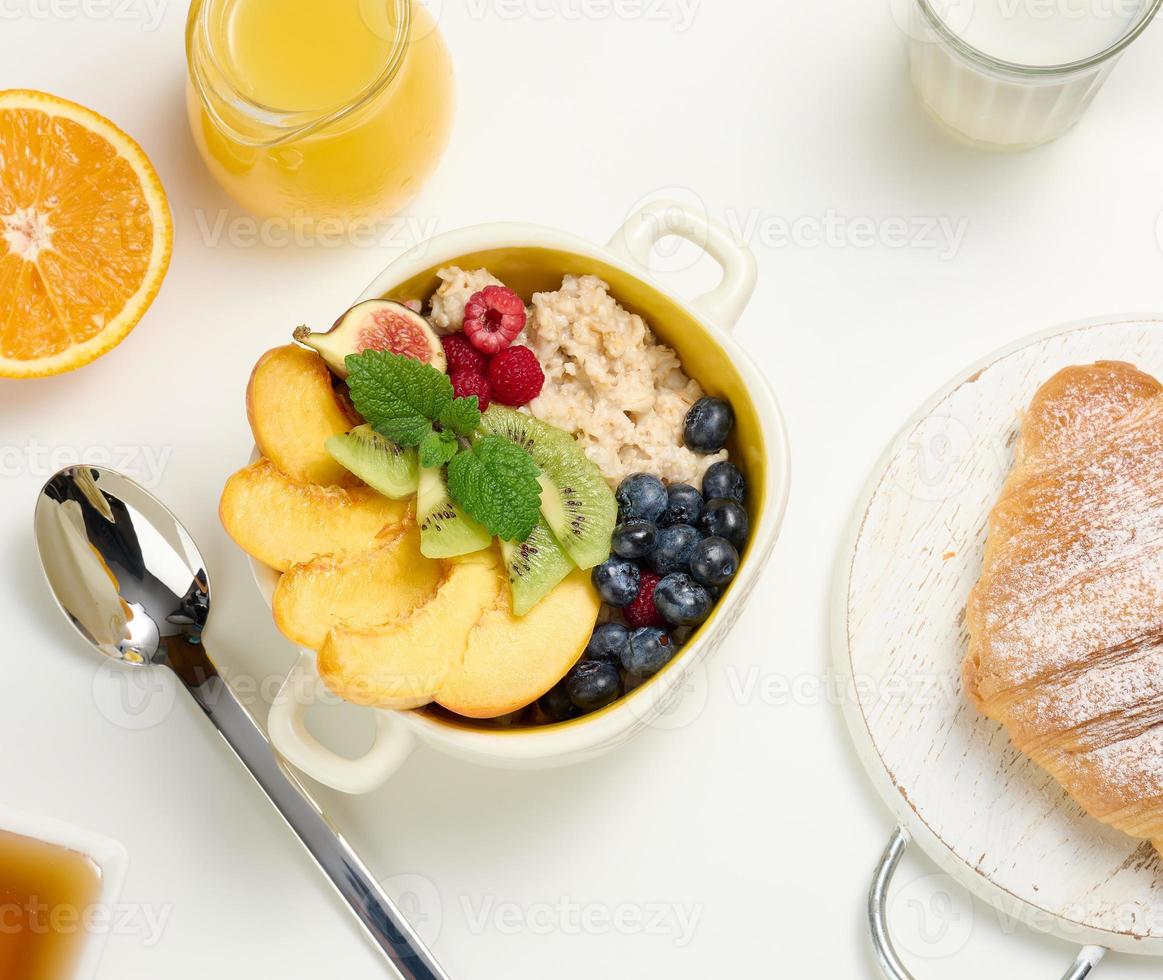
x,y
576,501
535,567
380,463
446,531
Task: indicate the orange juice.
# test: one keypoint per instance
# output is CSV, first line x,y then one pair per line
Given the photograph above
x,y
309,109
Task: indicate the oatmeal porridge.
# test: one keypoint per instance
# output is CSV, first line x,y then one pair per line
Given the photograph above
x,y
620,392
610,383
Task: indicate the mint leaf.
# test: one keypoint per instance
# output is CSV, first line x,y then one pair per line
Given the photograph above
x,y
462,416
437,448
398,396
495,482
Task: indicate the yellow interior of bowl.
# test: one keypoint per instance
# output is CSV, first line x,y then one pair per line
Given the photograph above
x,y
529,270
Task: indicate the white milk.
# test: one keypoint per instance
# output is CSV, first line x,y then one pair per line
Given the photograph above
x,y
1010,108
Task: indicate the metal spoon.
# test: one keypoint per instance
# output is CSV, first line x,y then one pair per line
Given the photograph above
x,y
128,576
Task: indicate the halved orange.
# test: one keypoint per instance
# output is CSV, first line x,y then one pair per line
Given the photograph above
x,y
85,234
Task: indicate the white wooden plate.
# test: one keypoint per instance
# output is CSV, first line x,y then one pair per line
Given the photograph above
x,y
987,815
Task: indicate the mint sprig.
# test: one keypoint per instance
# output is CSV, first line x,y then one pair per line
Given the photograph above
x,y
400,397
495,481
437,448
462,416
413,404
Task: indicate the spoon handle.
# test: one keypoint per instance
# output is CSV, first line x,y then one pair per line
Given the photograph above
x,y
377,913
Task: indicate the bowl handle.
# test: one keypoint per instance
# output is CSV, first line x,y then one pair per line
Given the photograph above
x,y
288,732
724,304
887,957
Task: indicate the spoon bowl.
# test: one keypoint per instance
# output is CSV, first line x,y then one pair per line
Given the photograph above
x,y
121,567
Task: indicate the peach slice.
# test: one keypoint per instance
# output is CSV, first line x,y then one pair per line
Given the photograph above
x,y
282,522
510,662
405,663
293,411
355,591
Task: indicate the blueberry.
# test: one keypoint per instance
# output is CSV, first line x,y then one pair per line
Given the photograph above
x,y
681,601
648,652
617,581
641,495
593,684
708,424
684,505
608,642
674,548
723,481
714,562
634,538
556,705
726,519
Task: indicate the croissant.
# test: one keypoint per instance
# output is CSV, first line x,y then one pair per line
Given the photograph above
x,y
1066,621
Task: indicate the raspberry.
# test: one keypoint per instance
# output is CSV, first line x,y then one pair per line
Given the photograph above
x,y
462,356
641,611
516,376
493,317
468,383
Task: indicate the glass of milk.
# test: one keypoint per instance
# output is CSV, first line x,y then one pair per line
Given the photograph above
x,y
1010,74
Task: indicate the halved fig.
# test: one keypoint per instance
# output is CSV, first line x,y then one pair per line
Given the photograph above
x,y
376,324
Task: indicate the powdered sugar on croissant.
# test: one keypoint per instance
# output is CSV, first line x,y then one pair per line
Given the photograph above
x,y
1066,622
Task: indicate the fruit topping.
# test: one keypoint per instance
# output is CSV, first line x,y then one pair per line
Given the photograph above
x,y
641,495
381,464
511,660
714,562
516,376
684,505
556,705
535,567
446,531
723,481
462,356
576,501
284,523
465,384
641,611
593,684
356,589
493,318
294,409
608,643
674,548
707,426
617,581
405,662
649,650
726,519
377,324
682,601
634,538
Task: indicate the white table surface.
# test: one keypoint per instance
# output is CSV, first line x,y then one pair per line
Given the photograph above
x,y
753,820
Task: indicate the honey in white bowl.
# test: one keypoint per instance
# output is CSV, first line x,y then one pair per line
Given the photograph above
x,y
46,896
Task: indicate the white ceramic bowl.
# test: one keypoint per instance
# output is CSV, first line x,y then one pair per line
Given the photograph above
x,y
108,855
530,257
